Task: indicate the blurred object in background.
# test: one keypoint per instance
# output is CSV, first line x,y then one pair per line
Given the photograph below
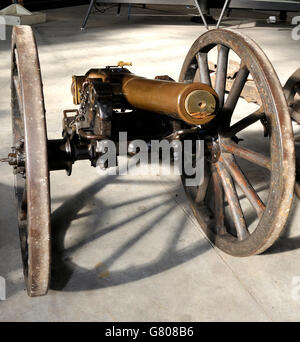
x,y
16,14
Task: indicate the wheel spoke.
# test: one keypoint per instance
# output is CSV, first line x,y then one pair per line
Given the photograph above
x,y
251,156
203,68
234,94
202,189
243,123
23,206
221,73
233,201
219,201
242,181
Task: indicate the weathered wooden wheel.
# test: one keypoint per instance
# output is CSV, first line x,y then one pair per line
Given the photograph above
x,y
221,208
30,161
292,93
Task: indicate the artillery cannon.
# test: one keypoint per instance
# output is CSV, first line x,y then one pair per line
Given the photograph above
x,y
202,105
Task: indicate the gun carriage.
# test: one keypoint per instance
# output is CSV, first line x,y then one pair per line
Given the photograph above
x,y
202,105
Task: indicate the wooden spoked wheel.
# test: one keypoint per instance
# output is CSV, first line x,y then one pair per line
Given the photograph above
x,y
31,161
292,93
245,198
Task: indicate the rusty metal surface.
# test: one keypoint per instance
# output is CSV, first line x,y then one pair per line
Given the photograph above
x,y
28,119
225,173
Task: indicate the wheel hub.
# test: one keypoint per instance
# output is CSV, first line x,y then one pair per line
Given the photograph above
x,y
16,158
214,149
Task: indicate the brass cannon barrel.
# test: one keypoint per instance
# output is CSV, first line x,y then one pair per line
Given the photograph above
x,y
195,103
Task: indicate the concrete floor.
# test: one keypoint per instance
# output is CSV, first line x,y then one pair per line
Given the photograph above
x,y
129,249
